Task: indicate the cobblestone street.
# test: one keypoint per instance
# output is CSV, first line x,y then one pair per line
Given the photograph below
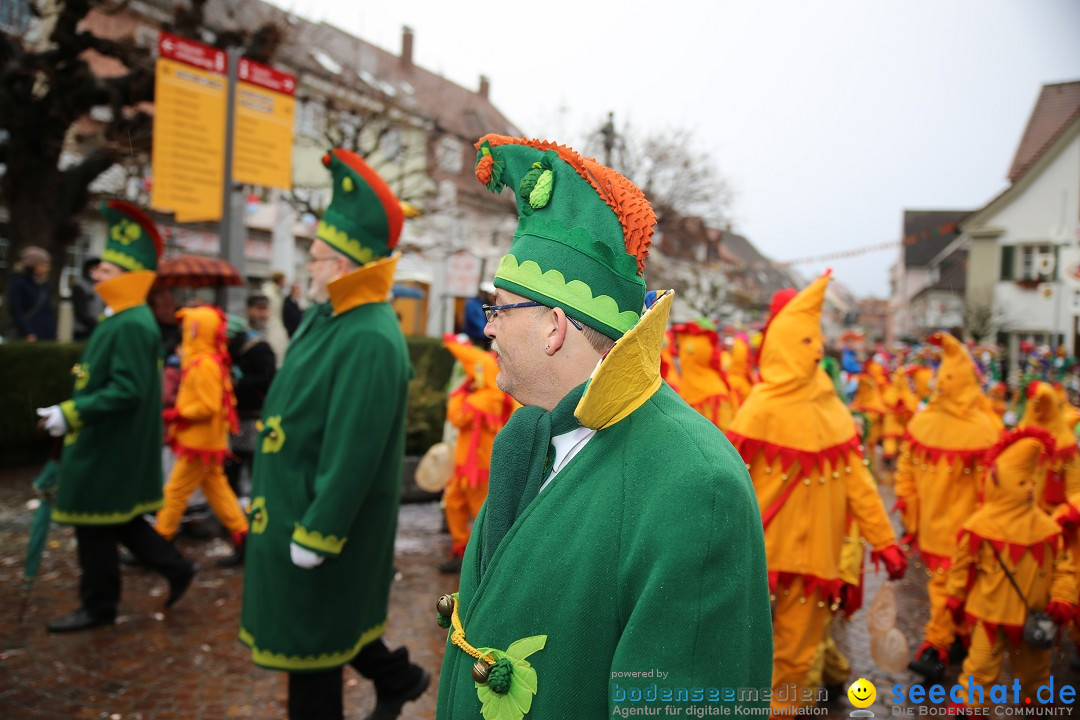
x,y
187,663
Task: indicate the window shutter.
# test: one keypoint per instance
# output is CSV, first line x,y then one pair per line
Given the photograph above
x,y
1007,259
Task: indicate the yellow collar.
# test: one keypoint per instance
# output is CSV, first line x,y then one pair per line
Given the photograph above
x,y
126,290
370,283
630,373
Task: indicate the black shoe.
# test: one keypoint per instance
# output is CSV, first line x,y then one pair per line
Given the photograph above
x,y
390,708
453,565
929,665
957,652
81,619
127,558
178,585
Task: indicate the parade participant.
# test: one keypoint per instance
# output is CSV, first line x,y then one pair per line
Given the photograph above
x,y
922,377
900,405
1070,414
328,465
669,370
479,409
937,485
1062,477
868,403
738,375
609,497
809,476
700,382
1010,561
198,428
110,470
999,398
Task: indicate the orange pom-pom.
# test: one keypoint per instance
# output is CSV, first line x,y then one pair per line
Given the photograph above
x,y
483,169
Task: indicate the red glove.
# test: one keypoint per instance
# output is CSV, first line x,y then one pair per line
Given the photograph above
x,y
1069,519
1062,612
955,607
907,541
170,415
895,561
900,504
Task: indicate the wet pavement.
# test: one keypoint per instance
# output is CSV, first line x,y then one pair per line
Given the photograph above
x,y
187,663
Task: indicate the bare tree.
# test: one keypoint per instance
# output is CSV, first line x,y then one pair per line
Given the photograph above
x,y
47,87
981,318
669,166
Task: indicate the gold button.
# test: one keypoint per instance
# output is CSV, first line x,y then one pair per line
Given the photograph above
x,y
802,601
820,604
806,481
835,474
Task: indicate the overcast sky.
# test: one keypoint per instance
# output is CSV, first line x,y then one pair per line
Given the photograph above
x,y
828,118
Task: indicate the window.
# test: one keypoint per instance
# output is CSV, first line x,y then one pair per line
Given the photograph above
x,y
1038,262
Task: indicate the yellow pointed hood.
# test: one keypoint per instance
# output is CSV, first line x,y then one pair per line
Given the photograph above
x,y
479,365
794,412
953,423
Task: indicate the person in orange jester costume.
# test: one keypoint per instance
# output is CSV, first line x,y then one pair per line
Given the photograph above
x,y
868,401
668,369
809,476
479,409
937,485
1062,477
700,382
198,427
738,374
922,377
900,404
997,395
1070,414
1010,532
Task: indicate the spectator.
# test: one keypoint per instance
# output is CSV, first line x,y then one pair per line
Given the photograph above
x,y
291,312
85,301
275,333
30,302
254,366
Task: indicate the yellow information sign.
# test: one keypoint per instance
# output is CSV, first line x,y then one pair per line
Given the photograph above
x,y
263,141
189,139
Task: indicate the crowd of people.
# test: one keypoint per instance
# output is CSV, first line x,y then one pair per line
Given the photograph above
x,y
626,494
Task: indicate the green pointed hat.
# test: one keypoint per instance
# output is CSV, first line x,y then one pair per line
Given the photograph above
x,y
133,242
364,219
583,231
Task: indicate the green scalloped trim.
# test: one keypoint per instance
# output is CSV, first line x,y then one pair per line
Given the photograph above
x,y
340,240
124,260
75,518
325,661
71,415
575,293
315,540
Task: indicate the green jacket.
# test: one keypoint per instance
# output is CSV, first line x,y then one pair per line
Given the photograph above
x,y
645,554
110,470
327,476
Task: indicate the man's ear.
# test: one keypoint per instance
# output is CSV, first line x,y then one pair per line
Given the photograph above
x,y
555,323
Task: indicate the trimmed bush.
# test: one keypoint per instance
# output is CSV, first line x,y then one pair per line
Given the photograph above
x,y
39,374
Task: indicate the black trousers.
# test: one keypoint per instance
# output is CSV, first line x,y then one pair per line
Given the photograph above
x,y
317,695
99,558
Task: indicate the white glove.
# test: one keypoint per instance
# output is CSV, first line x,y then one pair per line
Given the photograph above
x,y
304,558
54,420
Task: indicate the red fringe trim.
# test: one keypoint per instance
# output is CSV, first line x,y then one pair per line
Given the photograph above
x,y
1013,633
829,589
206,457
750,448
1066,453
935,454
1037,433
1015,551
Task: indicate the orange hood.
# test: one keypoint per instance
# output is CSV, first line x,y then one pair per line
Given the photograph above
x,y
794,386
479,365
922,376
1009,512
698,364
1044,410
203,334
953,421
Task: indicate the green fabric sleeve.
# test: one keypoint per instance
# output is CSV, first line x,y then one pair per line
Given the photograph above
x,y
130,379
693,589
366,401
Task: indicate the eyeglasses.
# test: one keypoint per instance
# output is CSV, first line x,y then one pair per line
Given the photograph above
x,y
491,311
312,260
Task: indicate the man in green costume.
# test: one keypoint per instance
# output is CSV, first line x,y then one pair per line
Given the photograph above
x,y
110,470
328,463
619,562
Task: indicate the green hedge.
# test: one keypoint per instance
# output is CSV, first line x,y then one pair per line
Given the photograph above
x,y
39,374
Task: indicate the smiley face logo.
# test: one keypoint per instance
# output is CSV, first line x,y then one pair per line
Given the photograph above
x,y
862,693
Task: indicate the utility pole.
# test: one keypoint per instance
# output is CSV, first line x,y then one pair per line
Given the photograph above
x,y
232,232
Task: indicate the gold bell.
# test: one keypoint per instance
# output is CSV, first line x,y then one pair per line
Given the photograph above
x,y
480,671
445,606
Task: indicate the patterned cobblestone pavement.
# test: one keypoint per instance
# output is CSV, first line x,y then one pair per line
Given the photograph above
x,y
187,663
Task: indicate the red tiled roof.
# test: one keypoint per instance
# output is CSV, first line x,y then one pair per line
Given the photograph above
x,y
1058,105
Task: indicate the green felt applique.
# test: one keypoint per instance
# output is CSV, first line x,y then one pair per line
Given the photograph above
x,y
517,678
275,438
